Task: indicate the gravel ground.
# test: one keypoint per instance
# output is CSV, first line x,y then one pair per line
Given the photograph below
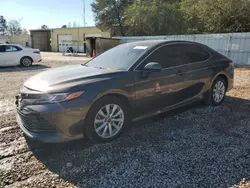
x,y
195,146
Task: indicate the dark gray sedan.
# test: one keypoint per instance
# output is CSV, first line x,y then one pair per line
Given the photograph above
x,y
129,82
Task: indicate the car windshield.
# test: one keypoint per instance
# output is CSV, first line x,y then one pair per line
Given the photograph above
x,y
121,57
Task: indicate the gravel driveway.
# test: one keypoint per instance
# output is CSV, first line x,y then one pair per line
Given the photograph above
x,y
195,146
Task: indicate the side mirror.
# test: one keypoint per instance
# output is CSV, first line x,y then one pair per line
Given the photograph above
x,y
152,66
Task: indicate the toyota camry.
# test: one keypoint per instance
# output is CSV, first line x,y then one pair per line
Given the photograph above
x,y
132,81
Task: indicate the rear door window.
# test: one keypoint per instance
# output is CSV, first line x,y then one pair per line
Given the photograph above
x,y
11,49
194,53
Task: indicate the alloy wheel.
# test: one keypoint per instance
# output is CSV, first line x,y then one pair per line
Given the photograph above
x,y
219,91
109,121
27,62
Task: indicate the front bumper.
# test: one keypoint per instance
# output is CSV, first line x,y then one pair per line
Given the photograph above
x,y
46,137
51,123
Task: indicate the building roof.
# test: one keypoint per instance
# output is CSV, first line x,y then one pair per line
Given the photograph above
x,y
74,27
61,28
40,30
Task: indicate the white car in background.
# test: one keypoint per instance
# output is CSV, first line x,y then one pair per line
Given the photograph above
x,y
15,54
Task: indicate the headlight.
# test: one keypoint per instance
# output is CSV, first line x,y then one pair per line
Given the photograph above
x,y
59,97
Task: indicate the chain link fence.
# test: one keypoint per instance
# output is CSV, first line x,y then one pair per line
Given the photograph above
x,y
235,46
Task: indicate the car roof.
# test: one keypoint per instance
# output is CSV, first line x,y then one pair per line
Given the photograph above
x,y
152,43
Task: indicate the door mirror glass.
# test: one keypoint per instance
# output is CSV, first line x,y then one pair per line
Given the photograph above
x,y
153,66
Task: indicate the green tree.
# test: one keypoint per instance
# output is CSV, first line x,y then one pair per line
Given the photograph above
x,y
3,26
217,16
155,17
194,25
109,13
165,17
44,27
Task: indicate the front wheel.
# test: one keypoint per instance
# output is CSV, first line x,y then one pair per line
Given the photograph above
x,y
217,92
107,119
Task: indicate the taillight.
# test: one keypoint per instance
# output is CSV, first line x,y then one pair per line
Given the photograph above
x,y
231,64
231,67
36,52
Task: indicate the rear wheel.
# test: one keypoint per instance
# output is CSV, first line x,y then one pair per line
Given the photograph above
x,y
107,119
26,62
217,92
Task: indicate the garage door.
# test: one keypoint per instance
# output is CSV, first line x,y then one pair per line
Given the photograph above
x,y
41,40
67,42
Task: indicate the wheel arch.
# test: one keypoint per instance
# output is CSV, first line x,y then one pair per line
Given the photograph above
x,y
124,96
222,75
207,95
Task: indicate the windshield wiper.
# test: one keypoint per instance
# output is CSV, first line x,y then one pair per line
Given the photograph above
x,y
94,67
85,65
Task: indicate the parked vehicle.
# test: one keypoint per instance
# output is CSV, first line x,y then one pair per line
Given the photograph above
x,y
15,54
129,82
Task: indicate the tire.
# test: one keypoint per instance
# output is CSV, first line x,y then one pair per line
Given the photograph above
x,y
214,99
26,61
101,128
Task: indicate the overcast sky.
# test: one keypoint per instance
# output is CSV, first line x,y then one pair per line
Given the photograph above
x,y
53,13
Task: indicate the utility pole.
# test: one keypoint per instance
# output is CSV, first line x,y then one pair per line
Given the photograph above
x,y
84,21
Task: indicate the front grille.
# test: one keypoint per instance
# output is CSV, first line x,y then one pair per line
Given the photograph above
x,y
35,123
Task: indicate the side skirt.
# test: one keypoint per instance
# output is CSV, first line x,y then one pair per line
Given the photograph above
x,y
169,108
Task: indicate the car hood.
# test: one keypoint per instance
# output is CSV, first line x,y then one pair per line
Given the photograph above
x,y
66,77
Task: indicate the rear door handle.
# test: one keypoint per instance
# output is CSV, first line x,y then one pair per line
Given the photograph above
x,y
179,72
